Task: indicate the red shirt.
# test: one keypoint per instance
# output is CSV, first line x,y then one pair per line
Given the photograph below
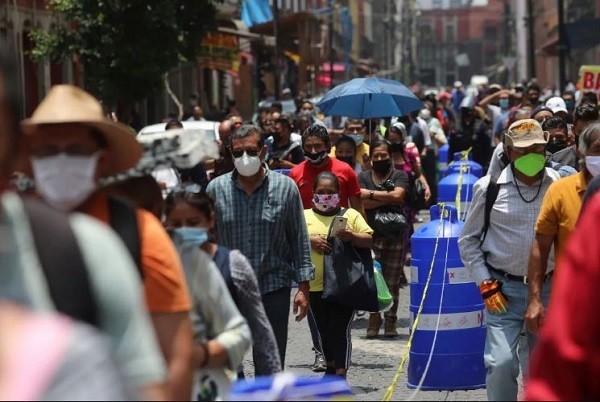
x,y
566,363
305,174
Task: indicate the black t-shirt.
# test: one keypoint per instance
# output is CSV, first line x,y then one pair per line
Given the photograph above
x,y
398,177
291,152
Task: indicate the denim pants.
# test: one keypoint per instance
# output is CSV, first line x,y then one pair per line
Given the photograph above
x,y
503,332
277,307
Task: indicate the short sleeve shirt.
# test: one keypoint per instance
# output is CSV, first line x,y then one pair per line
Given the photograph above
x,y
399,178
164,279
319,225
560,209
305,174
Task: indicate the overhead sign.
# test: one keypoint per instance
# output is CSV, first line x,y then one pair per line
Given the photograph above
x,y
220,51
589,78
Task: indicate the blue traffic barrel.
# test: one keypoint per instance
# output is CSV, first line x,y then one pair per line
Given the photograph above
x,y
288,387
283,171
457,357
459,160
443,160
457,183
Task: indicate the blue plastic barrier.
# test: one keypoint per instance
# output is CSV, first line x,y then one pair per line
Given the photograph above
x,y
457,359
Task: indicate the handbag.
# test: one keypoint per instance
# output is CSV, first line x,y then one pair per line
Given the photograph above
x,y
349,278
416,201
389,222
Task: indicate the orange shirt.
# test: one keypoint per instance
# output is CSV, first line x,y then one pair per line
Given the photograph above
x,y
165,287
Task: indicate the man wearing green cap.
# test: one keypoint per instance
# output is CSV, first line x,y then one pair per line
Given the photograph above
x,y
495,248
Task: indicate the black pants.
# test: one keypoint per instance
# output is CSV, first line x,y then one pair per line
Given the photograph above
x,y
333,321
277,307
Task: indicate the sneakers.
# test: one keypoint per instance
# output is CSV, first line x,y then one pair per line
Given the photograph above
x,y
319,366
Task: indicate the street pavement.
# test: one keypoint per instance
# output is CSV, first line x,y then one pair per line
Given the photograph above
x,y
374,361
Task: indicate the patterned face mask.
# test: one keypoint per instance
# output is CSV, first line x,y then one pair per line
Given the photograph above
x,y
326,202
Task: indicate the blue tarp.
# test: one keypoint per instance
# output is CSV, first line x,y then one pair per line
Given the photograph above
x,y
256,12
583,34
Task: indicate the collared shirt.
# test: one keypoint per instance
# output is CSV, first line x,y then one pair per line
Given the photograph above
x,y
511,231
268,227
560,209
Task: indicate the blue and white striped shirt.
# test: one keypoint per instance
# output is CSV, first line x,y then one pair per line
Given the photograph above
x,y
267,226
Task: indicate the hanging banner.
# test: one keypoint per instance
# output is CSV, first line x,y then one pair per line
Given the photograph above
x,y
589,78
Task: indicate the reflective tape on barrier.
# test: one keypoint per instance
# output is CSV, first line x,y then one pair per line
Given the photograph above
x,y
456,275
451,322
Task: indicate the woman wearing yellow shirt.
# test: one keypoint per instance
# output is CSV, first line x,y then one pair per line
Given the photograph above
x,y
333,319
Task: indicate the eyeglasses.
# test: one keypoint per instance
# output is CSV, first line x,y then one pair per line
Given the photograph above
x,y
238,153
536,149
48,150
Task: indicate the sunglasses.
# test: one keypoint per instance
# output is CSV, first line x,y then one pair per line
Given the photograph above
x,y
239,153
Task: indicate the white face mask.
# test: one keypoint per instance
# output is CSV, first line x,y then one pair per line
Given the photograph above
x,y
247,165
592,163
65,181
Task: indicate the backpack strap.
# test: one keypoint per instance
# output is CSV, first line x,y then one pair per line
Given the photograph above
x,y
123,220
62,262
490,198
223,263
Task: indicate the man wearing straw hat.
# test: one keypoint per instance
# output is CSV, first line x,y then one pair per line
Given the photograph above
x,y
69,145
497,256
25,276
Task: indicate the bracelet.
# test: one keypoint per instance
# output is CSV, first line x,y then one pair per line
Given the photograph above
x,y
204,346
372,195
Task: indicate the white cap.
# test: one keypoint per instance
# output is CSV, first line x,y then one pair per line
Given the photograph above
x,y
557,104
400,126
458,84
425,114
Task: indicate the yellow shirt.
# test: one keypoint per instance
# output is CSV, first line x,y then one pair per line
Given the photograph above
x,y
319,225
362,149
560,209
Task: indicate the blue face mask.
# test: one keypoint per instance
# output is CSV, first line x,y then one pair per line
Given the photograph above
x,y
358,138
503,103
190,236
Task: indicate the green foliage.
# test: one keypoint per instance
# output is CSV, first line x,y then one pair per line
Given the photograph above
x,y
126,46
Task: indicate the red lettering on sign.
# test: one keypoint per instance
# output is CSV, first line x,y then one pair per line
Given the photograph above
x,y
598,81
588,80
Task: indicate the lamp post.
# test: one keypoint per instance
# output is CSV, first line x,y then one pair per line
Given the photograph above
x,y
531,38
562,48
331,51
276,72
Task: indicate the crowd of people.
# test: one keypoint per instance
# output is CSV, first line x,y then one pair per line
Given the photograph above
x,y
164,282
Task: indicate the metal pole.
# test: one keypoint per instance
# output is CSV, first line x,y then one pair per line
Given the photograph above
x,y
506,41
276,72
331,51
562,48
531,38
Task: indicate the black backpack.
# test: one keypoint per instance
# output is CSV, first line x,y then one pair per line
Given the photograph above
x,y
490,198
69,284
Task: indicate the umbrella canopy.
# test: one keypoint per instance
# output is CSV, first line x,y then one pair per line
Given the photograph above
x,y
365,98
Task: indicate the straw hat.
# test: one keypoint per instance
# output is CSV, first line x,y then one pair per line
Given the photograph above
x,y
67,104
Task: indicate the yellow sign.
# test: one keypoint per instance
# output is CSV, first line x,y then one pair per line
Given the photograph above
x,y
589,78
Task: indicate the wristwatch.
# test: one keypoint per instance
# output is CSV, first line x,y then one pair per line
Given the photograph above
x,y
372,195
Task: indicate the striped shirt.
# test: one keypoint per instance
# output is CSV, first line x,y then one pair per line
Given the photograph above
x,y
267,226
512,226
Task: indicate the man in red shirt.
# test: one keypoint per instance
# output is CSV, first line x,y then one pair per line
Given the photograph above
x,y
317,145
566,363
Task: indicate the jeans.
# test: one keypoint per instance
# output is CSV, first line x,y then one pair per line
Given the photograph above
x,y
501,344
277,307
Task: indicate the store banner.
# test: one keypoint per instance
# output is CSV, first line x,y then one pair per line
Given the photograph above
x,y
220,51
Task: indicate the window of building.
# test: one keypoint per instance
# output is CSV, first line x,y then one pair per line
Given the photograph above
x,y
449,35
456,3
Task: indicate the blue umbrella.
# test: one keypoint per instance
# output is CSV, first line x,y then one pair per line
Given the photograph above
x,y
365,98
